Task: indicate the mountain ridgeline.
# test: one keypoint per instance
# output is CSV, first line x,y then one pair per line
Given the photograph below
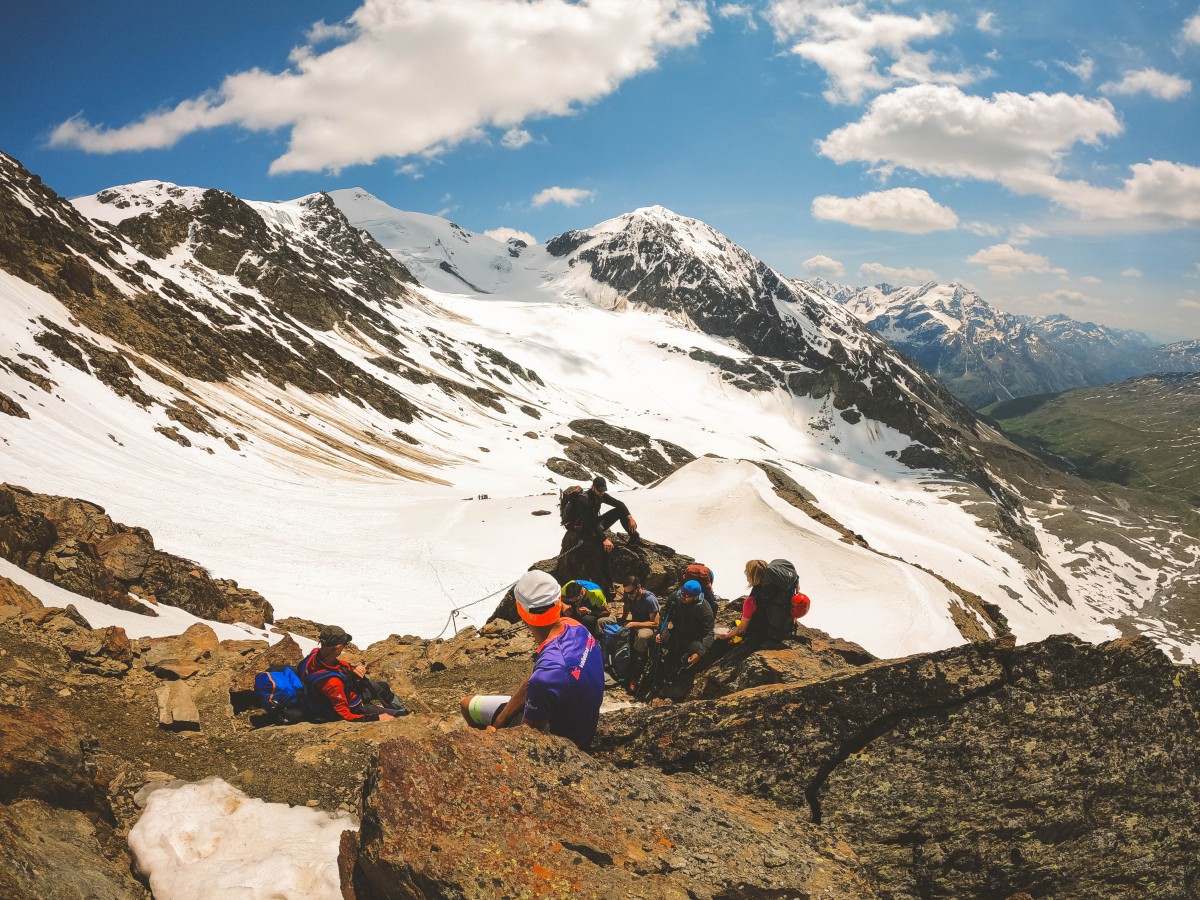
x,y
985,356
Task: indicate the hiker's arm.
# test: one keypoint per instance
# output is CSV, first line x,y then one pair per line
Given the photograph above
x,y
512,708
332,688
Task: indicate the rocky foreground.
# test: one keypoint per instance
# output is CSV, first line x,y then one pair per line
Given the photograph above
x,y
1057,769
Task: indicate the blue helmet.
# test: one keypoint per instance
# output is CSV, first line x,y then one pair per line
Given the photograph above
x,y
693,588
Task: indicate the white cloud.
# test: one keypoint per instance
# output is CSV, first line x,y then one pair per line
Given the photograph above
x,y
983,229
1149,81
1191,29
1006,260
1132,272
1019,141
823,265
516,138
420,76
1091,279
738,11
412,170
986,22
1073,299
565,196
850,42
907,210
873,271
1023,234
503,234
1187,303
1083,70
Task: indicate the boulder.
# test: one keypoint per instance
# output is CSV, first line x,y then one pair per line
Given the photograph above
x,y
41,758
517,813
125,555
176,708
197,644
105,651
17,598
62,854
285,652
1059,768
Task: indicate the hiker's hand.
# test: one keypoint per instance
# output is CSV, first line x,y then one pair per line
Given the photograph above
x,y
360,670
607,546
693,659
384,717
658,639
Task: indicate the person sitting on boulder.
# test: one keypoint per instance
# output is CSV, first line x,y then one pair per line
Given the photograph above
x,y
691,632
585,602
640,617
344,690
592,524
772,587
565,690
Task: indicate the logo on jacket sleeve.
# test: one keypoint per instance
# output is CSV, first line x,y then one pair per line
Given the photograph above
x,y
576,673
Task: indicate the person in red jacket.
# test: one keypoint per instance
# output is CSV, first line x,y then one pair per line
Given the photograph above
x,y
341,686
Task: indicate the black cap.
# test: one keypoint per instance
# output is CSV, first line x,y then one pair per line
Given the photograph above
x,y
599,483
334,634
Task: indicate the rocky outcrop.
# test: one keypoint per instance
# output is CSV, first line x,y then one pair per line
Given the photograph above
x,y
1058,769
76,545
522,814
598,448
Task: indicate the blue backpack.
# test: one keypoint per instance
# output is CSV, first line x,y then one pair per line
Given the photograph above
x,y
616,650
283,695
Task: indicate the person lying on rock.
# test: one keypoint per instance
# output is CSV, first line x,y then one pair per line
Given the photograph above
x,y
342,691
640,618
584,601
564,692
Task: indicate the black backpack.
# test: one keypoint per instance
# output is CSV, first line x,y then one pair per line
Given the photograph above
x,y
571,506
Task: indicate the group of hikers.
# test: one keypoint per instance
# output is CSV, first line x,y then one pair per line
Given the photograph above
x,y
647,646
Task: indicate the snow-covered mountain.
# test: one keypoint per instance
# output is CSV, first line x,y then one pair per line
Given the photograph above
x,y
984,355
271,391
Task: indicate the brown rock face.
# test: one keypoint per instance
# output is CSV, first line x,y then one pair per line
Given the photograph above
x,y
516,813
1060,768
13,595
76,545
41,759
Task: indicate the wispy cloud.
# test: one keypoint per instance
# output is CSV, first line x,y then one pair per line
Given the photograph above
x,y
903,276
908,210
1083,70
400,79
1072,299
565,196
1132,272
1006,260
740,11
516,138
823,265
853,45
1023,234
1149,81
1191,29
986,22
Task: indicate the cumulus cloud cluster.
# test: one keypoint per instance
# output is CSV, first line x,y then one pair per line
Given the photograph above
x,y
562,195
825,266
409,77
1149,81
908,210
1007,260
1018,141
877,272
862,50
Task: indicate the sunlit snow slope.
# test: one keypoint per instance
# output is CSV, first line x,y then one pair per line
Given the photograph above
x,y
397,476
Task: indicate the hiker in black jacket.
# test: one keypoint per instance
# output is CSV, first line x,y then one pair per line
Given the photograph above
x,y
593,523
691,631
772,586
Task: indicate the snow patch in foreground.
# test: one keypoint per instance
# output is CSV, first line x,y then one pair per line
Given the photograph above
x,y
208,839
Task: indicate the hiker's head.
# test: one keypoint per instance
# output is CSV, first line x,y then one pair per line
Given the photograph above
x,y
754,571
599,485
536,593
573,590
632,584
691,590
334,636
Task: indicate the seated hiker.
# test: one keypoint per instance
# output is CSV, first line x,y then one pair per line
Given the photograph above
x,y
585,602
691,632
704,575
340,690
800,605
581,516
772,587
564,692
640,618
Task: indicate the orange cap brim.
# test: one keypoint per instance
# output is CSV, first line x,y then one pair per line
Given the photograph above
x,y
546,617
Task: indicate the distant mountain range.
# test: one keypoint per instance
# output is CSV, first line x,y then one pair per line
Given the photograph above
x,y
984,355
351,407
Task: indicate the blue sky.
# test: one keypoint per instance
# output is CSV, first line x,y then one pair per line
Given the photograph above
x,y
1045,154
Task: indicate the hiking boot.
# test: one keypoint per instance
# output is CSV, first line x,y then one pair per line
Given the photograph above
x,y
399,709
635,539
